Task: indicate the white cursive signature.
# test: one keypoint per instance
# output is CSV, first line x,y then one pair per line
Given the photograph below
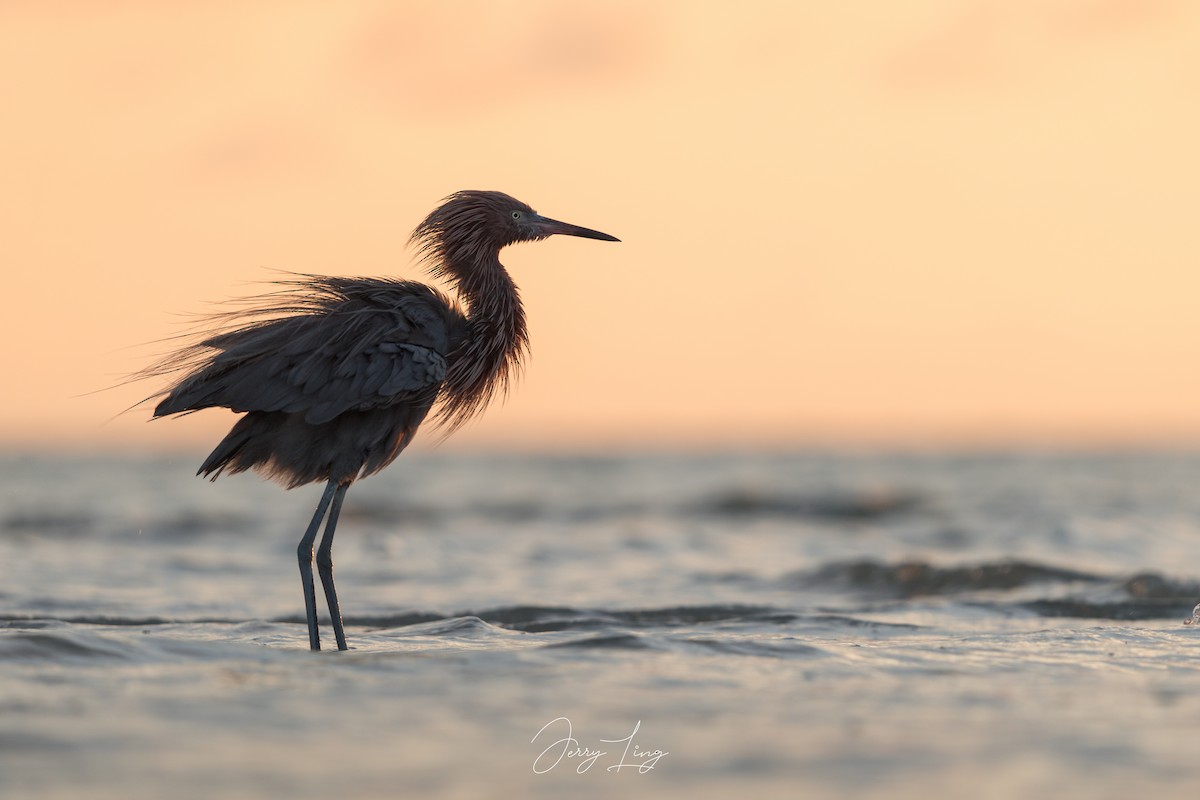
x,y
569,747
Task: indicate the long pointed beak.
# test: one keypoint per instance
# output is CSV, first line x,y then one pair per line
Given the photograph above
x,y
552,226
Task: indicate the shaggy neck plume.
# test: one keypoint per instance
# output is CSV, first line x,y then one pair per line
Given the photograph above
x,y
489,359
460,242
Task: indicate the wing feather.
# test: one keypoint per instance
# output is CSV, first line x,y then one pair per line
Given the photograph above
x,y
324,348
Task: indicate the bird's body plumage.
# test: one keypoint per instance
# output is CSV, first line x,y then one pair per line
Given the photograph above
x,y
335,375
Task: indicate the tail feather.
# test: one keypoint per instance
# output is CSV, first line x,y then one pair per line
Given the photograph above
x,y
229,453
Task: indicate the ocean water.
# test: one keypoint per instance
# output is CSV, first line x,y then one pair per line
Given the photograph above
x,y
668,626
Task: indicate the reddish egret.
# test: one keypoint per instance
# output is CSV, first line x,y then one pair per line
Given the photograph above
x,y
335,375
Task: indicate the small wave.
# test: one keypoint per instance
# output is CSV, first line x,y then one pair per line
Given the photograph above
x,y
750,647
851,506
1147,595
919,579
378,621
1153,586
48,523
841,620
188,524
468,626
14,742
545,619
511,512
1117,610
535,619
382,512
29,621
701,615
58,646
414,622
842,505
549,619
733,646
616,641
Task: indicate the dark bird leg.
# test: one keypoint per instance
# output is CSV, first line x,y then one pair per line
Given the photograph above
x,y
305,554
325,566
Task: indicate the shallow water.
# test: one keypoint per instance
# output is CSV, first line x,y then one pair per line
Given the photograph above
x,y
813,625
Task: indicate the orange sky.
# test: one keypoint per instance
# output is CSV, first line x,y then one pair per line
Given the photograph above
x,y
929,221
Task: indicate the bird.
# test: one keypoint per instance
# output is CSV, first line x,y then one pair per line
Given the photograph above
x,y
333,376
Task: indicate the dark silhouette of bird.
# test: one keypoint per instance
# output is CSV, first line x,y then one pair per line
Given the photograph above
x,y
335,375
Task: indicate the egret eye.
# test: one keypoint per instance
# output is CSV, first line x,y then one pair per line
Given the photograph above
x,y
517,215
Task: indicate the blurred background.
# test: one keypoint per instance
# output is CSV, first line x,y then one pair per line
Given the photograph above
x,y
865,466
945,222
